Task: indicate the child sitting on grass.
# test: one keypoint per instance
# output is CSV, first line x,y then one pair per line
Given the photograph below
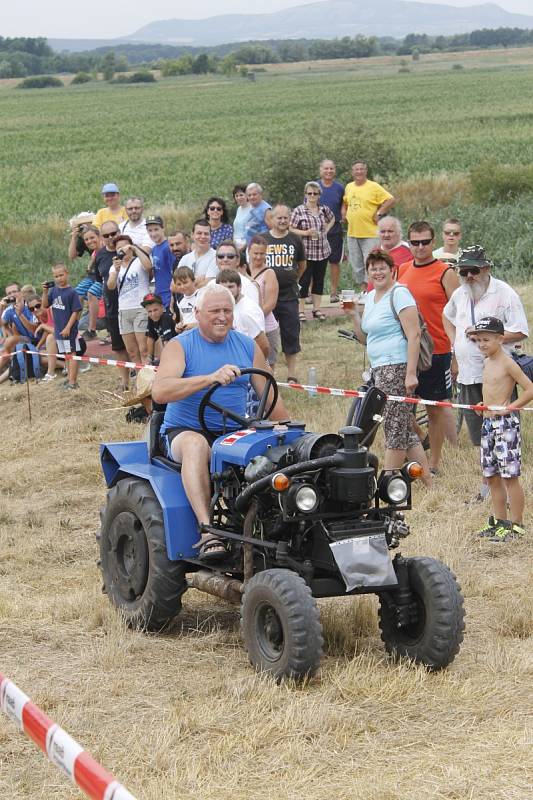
x,y
500,432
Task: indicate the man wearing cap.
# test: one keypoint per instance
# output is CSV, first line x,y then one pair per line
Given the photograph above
x,y
135,225
479,295
113,211
162,258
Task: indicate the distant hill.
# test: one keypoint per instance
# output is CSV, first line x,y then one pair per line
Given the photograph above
x,y
325,20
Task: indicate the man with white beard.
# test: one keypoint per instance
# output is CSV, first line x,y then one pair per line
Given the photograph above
x,y
479,295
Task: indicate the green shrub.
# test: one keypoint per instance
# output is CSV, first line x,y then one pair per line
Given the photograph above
x,y
142,77
403,70
39,82
457,66
81,77
284,166
500,183
136,77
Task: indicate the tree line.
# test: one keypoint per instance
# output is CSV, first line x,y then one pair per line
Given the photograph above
x,y
23,56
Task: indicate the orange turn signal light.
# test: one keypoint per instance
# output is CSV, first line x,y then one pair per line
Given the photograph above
x,y
280,482
415,470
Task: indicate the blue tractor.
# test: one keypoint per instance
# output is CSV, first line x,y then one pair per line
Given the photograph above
x,y
302,515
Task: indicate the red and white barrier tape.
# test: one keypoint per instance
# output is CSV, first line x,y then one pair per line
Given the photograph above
x,y
62,750
302,387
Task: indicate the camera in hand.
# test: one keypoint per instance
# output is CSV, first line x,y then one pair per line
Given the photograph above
x,y
49,284
9,300
121,253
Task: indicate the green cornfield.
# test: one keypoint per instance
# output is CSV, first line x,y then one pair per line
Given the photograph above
x,y
178,141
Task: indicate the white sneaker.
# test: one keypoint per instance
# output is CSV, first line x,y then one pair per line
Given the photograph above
x,y
49,377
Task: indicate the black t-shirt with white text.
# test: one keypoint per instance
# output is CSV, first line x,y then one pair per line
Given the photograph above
x,y
162,329
284,255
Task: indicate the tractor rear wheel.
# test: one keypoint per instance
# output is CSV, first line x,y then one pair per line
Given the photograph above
x,y
281,625
139,579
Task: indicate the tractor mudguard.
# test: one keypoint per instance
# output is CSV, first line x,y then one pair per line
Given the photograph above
x,y
122,459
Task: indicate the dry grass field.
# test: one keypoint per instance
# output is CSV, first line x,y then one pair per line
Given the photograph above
x,y
182,715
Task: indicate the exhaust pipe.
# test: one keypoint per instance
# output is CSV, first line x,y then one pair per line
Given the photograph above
x,y
228,589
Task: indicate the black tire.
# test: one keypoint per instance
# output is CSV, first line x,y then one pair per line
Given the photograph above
x,y
435,638
281,625
138,577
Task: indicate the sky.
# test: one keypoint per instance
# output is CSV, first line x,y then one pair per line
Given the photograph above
x,y
58,19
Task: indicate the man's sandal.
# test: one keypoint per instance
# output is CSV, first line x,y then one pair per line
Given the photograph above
x,y
211,549
317,314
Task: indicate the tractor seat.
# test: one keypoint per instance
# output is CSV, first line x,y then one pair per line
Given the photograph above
x,y
364,409
155,450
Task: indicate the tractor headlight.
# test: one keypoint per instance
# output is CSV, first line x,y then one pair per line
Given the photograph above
x,y
306,499
393,489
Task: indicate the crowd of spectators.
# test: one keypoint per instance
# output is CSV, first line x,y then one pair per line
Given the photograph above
x,y
142,281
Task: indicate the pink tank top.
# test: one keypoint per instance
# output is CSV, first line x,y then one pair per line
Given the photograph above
x,y
271,323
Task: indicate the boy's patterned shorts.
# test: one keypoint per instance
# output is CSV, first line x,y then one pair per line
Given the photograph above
x,y
501,452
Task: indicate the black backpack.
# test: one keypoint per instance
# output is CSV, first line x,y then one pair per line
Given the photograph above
x,y
25,363
525,363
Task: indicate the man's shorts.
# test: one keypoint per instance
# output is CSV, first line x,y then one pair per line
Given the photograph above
x,y
471,394
66,346
336,242
436,382
117,343
273,341
89,286
132,320
286,313
170,434
501,451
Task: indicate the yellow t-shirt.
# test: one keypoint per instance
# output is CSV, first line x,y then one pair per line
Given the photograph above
x,y
362,203
106,215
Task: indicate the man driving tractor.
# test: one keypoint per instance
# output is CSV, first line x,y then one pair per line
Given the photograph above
x,y
210,353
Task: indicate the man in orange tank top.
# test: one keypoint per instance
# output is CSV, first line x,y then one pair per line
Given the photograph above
x,y
431,282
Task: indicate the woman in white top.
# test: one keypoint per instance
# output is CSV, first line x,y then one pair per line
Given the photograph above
x,y
130,276
241,217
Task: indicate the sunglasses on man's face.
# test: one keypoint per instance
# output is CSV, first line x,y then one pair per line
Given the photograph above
x,y
420,242
312,194
464,271
226,255
109,235
452,233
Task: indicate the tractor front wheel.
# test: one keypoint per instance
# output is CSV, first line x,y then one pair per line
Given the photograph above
x,y
280,624
434,632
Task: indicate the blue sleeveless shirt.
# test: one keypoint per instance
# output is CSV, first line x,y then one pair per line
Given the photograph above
x,y
201,358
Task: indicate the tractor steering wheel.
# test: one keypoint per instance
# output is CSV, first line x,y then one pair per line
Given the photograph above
x,y
243,421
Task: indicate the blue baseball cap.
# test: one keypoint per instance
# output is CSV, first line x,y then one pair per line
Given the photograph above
x,y
110,188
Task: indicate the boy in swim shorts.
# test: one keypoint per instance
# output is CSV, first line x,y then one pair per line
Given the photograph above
x,y
500,432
